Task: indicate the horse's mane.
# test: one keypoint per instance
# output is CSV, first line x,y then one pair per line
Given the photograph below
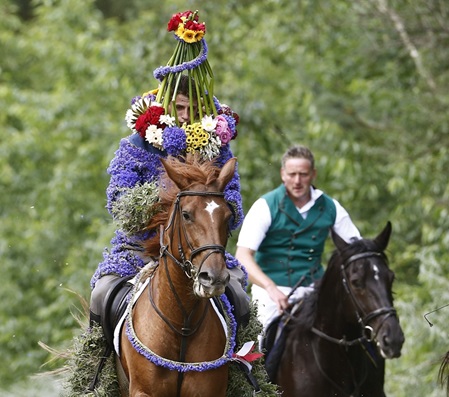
x,y
355,247
305,317
193,171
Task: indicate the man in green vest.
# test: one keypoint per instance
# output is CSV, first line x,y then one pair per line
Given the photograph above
x,y
283,235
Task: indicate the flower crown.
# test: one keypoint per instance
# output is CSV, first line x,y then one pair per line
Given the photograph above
x,y
153,115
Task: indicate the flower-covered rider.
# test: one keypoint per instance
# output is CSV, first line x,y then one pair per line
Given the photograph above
x,y
181,116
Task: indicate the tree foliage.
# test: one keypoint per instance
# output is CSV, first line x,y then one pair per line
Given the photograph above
x,y
363,84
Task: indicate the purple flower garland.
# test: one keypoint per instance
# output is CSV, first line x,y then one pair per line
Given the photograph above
x,y
182,366
162,71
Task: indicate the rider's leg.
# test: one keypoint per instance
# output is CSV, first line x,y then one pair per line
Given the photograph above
x,y
238,296
98,296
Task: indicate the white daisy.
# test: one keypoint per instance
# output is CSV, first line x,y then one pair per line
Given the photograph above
x,y
167,120
208,123
153,135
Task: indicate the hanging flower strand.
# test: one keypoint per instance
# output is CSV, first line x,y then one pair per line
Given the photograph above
x,y
190,55
211,126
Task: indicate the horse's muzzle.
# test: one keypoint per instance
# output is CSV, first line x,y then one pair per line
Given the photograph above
x,y
390,338
208,284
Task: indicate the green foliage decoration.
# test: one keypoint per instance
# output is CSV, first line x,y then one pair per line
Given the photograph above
x,y
89,347
135,207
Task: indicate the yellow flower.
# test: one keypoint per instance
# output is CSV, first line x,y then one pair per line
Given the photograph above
x,y
179,32
151,92
199,35
196,137
189,36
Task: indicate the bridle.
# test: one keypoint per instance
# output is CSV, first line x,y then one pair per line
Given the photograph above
x,y
187,266
383,311
367,332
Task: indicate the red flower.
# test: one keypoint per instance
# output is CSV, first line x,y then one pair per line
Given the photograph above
x,y
201,27
174,22
236,117
142,124
225,109
151,116
154,112
190,25
188,14
195,26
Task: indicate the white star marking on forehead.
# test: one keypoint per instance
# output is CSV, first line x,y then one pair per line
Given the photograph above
x,y
376,272
211,207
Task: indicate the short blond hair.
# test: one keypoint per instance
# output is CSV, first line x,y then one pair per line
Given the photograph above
x,y
298,152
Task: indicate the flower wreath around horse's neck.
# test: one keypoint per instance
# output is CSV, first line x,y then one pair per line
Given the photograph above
x,y
177,365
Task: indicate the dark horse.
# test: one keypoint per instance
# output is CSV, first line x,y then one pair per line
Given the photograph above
x,y
443,374
337,342
175,344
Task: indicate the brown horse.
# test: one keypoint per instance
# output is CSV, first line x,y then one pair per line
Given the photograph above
x,y
175,344
337,342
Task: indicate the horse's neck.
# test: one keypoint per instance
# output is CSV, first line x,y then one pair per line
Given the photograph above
x,y
331,315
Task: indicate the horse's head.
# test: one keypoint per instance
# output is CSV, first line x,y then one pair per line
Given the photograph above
x,y
368,282
197,229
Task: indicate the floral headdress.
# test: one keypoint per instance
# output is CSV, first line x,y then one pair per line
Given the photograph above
x,y
153,115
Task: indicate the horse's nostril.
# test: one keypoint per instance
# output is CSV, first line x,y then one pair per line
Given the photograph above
x,y
204,278
207,280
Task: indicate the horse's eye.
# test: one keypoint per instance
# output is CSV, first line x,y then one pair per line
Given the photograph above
x,y
357,283
186,216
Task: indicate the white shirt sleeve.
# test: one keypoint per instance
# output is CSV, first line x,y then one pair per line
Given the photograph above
x,y
344,226
255,225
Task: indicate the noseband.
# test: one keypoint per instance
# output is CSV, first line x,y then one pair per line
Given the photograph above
x,y
187,264
368,334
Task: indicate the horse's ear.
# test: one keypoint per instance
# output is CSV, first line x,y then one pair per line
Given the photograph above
x,y
172,174
226,173
382,239
338,241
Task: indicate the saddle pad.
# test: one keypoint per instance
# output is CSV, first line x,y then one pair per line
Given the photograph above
x,y
123,318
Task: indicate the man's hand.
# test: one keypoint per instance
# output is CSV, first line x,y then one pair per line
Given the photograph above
x,y
278,297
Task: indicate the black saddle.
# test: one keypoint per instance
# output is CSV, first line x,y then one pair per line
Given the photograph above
x,y
114,303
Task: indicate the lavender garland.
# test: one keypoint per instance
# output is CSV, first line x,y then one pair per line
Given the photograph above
x,y
177,365
162,71
174,140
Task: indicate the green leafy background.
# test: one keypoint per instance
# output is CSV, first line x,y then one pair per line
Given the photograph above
x,y
364,84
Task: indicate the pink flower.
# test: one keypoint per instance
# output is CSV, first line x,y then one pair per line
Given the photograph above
x,y
222,130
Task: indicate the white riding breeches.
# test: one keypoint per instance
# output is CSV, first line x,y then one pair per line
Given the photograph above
x,y
267,308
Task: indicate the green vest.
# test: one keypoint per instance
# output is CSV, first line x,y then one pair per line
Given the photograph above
x,y
293,246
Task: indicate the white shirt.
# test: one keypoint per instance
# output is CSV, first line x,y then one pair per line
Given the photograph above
x,y
258,220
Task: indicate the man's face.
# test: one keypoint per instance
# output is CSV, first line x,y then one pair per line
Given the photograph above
x,y
182,104
298,176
